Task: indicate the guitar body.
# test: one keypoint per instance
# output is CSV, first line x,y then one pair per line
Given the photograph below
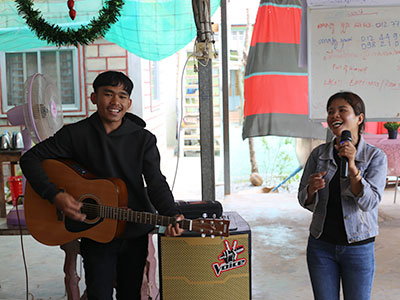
x,y
49,226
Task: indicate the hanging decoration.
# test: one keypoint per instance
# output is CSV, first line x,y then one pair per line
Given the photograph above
x,y
275,109
72,11
84,35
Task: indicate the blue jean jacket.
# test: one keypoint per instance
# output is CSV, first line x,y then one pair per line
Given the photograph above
x,y
360,211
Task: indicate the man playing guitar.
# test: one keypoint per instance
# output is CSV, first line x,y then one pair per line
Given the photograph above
x,y
110,143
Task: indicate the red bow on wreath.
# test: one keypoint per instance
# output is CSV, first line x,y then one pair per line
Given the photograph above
x,y
72,11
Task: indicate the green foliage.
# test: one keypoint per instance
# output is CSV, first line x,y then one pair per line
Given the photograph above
x,y
391,125
54,34
279,161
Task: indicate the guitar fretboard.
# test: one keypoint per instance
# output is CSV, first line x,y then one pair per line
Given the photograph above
x,y
124,214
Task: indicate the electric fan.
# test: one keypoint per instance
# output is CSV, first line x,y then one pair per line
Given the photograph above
x,y
42,112
41,115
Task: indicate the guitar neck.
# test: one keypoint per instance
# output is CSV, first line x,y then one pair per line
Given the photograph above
x,y
124,214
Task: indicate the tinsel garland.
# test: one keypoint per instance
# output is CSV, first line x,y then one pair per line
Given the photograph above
x,y
84,35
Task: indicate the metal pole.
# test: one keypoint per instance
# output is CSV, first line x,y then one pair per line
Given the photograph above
x,y
225,99
204,41
206,130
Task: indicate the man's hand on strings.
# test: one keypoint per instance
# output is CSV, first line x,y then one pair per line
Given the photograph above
x,y
69,206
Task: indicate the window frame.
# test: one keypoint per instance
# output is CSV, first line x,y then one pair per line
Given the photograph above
x,y
76,108
154,82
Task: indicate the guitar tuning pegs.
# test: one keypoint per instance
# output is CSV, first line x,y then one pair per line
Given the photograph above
x,y
203,235
204,215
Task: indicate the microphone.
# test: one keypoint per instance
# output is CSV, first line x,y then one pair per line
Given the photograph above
x,y
344,163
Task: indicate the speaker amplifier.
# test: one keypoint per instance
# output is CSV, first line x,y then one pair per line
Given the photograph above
x,y
197,268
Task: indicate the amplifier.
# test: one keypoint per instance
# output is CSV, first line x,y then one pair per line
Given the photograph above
x,y
193,267
196,209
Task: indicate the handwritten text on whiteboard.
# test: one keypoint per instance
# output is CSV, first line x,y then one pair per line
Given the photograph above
x,y
356,49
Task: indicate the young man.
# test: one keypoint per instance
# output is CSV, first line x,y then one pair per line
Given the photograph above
x,y
110,143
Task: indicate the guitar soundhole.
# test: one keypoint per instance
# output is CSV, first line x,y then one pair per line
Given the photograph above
x,y
91,209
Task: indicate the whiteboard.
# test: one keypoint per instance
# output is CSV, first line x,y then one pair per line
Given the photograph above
x,y
351,2
355,49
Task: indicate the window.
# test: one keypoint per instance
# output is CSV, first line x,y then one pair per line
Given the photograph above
x,y
238,35
60,65
154,86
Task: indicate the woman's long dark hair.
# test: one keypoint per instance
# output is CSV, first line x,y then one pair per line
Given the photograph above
x,y
355,102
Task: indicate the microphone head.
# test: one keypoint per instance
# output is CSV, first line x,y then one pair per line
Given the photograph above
x,y
346,136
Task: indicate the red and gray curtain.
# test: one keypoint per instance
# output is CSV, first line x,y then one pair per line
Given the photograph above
x,y
275,87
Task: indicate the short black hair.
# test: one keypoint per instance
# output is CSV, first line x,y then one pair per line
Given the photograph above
x,y
113,78
355,102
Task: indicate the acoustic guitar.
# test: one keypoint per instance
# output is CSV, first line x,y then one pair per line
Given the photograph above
x,y
104,201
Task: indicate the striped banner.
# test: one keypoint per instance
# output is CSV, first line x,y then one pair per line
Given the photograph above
x,y
275,87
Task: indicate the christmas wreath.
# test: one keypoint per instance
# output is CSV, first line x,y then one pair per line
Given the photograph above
x,y
84,35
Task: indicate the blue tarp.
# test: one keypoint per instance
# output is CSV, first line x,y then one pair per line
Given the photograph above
x,y
152,29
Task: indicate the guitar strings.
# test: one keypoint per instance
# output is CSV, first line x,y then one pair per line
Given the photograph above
x,y
210,226
127,214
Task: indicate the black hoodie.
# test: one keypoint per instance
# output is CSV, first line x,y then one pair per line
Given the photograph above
x,y
129,153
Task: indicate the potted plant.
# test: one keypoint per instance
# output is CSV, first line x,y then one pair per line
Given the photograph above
x,y
392,128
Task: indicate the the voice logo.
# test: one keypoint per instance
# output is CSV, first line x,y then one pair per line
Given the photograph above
x,y
230,258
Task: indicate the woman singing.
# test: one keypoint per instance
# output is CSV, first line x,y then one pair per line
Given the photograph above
x,y
345,208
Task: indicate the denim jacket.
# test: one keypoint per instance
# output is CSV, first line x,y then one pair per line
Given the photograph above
x,y
360,211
